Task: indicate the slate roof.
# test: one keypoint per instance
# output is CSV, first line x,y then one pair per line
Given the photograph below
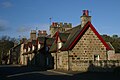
x,y
16,46
26,53
69,38
73,33
66,38
34,42
53,48
73,29
30,44
63,36
79,33
41,40
74,36
49,41
110,45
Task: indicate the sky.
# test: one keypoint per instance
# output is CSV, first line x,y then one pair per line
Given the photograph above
x,y
19,17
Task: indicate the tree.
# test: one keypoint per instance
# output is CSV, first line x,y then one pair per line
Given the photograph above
x,y
114,40
5,44
115,36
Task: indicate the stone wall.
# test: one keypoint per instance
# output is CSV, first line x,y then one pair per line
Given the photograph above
x,y
62,60
117,56
21,56
88,46
86,49
103,65
111,55
61,27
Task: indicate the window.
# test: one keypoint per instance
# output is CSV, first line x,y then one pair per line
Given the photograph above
x,y
78,58
24,50
96,57
33,47
59,45
60,60
28,48
39,46
102,48
47,61
73,58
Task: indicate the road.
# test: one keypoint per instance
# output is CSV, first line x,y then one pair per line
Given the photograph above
x,y
12,72
16,72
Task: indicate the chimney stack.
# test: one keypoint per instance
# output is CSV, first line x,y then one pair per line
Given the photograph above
x,y
42,33
33,35
85,18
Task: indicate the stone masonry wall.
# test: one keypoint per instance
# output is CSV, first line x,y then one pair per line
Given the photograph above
x,y
87,47
62,60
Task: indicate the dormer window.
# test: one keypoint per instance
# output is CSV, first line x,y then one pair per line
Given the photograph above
x,y
96,57
24,50
33,47
59,45
28,48
39,46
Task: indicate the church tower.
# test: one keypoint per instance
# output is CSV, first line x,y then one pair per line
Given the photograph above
x,y
85,18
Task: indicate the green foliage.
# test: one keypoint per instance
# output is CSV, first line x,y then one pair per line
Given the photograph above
x,y
114,40
5,44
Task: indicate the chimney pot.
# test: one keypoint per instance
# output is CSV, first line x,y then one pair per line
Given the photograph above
x,y
56,24
53,24
86,12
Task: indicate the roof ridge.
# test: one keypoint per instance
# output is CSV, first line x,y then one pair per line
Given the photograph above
x,y
78,26
110,45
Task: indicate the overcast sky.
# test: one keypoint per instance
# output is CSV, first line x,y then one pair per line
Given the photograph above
x,y
18,17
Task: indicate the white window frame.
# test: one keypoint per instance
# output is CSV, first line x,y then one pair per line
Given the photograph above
x,y
39,45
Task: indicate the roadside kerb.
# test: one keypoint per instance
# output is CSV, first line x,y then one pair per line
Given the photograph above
x,y
60,72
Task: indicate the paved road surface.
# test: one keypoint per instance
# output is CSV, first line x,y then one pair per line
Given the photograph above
x,y
16,72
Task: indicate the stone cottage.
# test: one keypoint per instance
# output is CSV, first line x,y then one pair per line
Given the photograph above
x,y
67,47
76,47
35,51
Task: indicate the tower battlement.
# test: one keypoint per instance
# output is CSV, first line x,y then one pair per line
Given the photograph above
x,y
60,24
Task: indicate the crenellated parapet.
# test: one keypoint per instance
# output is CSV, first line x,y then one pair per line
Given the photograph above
x,y
59,26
